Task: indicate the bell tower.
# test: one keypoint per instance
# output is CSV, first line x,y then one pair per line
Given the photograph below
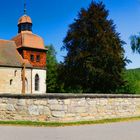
x,y
25,22
30,46
32,49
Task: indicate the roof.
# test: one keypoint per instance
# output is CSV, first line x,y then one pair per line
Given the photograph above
x,y
30,40
9,56
24,19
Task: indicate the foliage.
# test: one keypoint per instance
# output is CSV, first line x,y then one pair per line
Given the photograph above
x,y
133,76
135,43
95,59
51,70
133,81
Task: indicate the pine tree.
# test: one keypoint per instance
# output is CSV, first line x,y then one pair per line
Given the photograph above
x,y
95,58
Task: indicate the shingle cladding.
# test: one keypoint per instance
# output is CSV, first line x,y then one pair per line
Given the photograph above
x,y
29,40
9,56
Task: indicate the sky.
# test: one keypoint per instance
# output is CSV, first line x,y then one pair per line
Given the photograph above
x,y
51,19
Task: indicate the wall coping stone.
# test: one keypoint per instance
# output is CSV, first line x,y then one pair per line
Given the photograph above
x,y
66,96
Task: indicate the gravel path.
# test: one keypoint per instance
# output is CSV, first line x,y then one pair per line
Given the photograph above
x,y
115,131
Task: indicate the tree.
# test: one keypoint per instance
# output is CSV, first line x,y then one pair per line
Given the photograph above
x,y
135,43
95,57
51,70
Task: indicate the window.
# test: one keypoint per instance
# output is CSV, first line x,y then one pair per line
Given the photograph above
x,y
38,58
30,27
26,84
11,81
32,57
36,82
15,73
22,27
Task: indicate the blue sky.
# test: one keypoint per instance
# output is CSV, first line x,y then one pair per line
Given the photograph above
x,y
52,17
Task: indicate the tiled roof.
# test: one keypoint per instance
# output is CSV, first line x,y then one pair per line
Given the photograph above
x,y
24,19
9,56
30,40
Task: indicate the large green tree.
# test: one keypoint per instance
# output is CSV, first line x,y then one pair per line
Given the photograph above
x,y
51,70
95,58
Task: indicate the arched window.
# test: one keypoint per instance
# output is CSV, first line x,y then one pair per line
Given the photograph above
x,y
36,82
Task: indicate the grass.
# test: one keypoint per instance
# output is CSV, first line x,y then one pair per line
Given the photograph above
x,y
62,124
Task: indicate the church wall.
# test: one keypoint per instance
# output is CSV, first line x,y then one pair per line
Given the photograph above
x,y
11,82
42,80
28,80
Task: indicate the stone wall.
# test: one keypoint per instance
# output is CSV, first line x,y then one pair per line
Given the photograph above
x,y
67,107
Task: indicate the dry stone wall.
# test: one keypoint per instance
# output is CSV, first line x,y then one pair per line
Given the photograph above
x,y
67,107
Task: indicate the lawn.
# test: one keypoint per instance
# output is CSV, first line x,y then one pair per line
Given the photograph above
x,y
62,124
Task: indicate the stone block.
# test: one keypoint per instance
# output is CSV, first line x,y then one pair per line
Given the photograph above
x,y
58,107
33,110
10,107
47,111
53,101
4,101
58,114
70,115
91,102
21,102
67,101
103,102
36,102
40,109
43,102
29,102
77,109
3,107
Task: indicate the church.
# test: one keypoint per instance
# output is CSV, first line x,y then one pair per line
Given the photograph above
x,y
23,61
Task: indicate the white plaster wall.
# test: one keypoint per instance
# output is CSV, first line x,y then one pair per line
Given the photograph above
x,y
28,82
7,74
42,81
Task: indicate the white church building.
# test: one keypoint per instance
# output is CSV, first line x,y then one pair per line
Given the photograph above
x,y
23,61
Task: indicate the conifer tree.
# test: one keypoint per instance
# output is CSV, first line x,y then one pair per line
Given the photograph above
x,y
95,58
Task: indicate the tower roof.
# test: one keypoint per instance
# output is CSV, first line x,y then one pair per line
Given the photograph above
x,y
24,19
29,40
25,37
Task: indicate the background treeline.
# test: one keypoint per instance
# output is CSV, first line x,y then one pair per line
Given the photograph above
x,y
95,61
131,77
